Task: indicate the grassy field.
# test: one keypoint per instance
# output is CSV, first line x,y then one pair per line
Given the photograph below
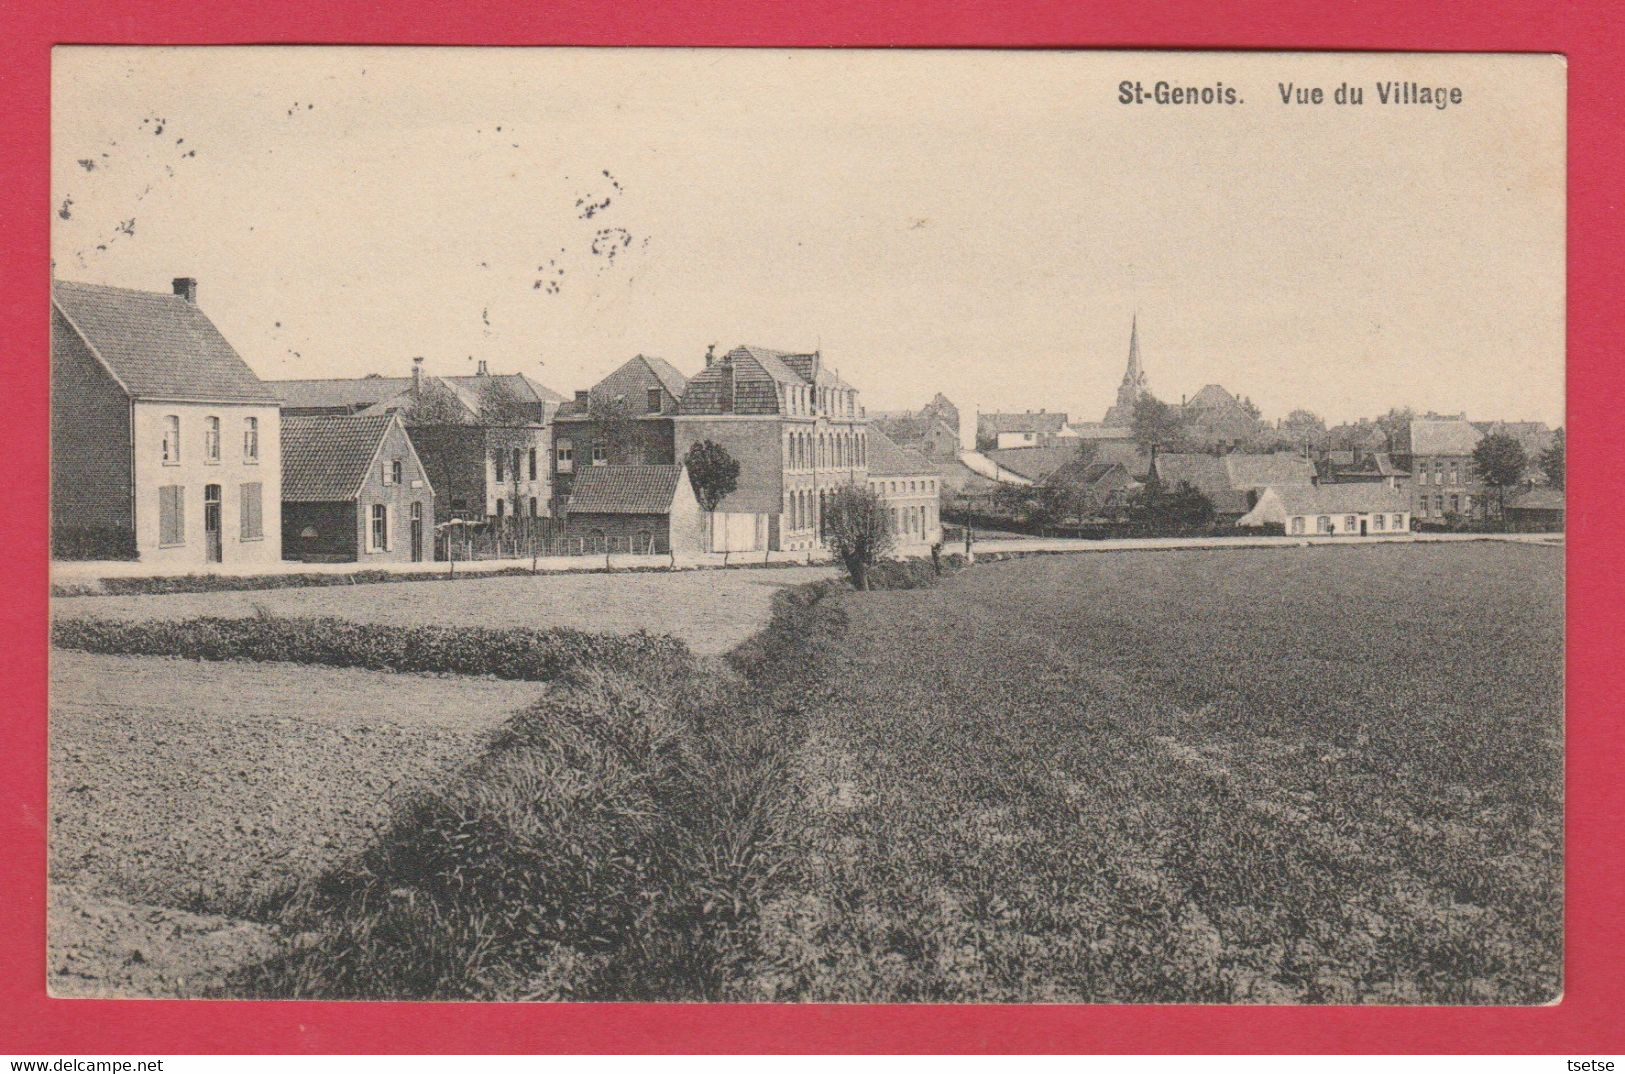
x,y
1317,775
711,610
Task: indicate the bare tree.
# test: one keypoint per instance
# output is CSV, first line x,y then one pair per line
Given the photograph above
x,y
859,530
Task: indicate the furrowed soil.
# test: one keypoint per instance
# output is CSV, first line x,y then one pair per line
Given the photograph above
x,y
1324,775
711,610
184,794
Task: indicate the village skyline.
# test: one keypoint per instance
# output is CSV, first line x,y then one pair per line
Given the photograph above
x,y
556,232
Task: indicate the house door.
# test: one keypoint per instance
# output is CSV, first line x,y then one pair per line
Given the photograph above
x,y
211,523
417,533
1362,527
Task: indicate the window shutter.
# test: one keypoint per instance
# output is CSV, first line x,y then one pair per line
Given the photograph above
x,y
389,526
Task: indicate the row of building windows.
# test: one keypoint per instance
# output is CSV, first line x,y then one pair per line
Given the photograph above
x,y
1351,523
805,450
171,449
502,508
518,456
898,488
1437,472
1458,505
172,512
807,400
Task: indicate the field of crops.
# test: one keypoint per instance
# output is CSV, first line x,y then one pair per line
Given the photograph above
x,y
1298,775
711,610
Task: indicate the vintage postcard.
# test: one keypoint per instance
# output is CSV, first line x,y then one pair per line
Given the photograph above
x,y
807,526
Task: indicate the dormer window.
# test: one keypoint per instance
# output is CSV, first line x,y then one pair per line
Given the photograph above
x,y
654,400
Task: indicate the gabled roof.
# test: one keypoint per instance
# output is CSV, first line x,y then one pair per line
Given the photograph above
x,y
633,489
523,388
668,375
1034,463
887,459
1343,499
158,346
1442,436
1088,474
1226,479
1211,397
325,459
1042,421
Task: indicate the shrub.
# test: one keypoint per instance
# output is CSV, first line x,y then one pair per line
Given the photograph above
x,y
514,653
617,841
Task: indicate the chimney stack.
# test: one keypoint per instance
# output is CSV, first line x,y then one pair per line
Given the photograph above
x,y
483,372
186,287
417,374
581,397
710,354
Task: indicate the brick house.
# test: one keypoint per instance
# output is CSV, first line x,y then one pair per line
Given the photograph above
x,y
911,487
353,488
165,446
483,444
1438,454
624,418
635,507
796,429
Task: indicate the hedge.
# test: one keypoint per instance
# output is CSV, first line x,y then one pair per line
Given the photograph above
x,y
92,542
514,653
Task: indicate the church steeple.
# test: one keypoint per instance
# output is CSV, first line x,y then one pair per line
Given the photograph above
x,y
1133,375
1134,381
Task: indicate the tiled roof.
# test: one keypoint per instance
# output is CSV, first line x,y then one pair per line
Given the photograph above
x,y
1358,497
1443,436
1043,421
1094,430
625,490
331,394
886,458
1034,463
325,459
1212,396
668,375
523,388
159,346
1279,468
1540,498
1085,474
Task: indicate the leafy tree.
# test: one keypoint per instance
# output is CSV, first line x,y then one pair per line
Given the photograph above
x,y
1554,462
1396,421
714,474
858,529
1155,422
1303,427
1163,508
1500,462
614,421
433,403
986,441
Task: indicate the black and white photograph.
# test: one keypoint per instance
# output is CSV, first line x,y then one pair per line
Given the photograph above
x,y
807,526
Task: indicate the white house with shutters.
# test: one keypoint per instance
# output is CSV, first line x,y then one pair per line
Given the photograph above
x,y
163,441
1352,510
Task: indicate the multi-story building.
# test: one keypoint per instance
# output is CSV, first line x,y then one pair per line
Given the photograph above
x,y
483,439
911,487
625,419
164,444
1437,452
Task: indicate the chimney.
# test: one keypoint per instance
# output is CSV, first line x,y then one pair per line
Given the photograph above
x,y
482,371
581,397
417,374
186,287
710,354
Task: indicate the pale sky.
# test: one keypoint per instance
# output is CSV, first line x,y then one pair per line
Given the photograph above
x,y
978,223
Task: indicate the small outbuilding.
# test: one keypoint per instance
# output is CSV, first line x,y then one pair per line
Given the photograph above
x,y
354,489
1353,510
635,507
1537,510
